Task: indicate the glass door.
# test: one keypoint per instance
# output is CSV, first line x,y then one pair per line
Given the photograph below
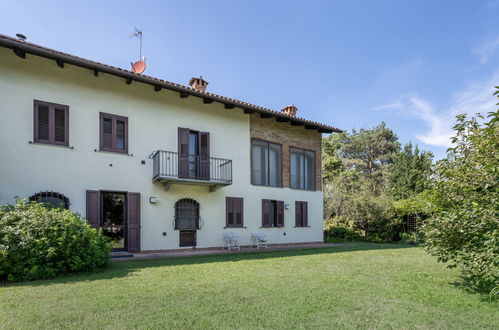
x,y
113,219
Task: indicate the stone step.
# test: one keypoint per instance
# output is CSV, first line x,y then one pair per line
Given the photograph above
x,y
120,254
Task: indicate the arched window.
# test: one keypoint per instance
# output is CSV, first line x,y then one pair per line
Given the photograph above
x,y
53,198
187,214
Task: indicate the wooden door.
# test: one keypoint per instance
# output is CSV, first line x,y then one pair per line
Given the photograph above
x,y
187,238
133,222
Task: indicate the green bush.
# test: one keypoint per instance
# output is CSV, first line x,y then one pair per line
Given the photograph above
x,y
414,238
38,241
335,228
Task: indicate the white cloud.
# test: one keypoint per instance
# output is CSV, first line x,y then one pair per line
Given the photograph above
x,y
476,97
487,48
491,4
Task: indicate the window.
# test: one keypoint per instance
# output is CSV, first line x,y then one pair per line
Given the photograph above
x,y
265,163
187,214
51,123
113,133
54,199
302,169
234,212
301,214
272,213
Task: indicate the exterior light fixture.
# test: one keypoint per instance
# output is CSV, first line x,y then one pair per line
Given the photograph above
x,y
286,206
153,200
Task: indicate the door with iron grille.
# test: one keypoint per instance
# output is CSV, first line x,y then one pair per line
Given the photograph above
x,y
187,221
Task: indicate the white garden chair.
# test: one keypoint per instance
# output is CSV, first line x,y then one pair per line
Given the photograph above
x,y
231,241
259,240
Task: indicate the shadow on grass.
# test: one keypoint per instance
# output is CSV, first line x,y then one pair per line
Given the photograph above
x,y
127,268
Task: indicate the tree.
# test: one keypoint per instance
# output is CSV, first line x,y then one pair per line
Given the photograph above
x,y
410,173
331,162
368,150
355,174
465,233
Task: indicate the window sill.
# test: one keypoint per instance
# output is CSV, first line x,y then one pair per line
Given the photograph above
x,y
114,152
263,185
302,227
51,145
281,227
235,227
302,189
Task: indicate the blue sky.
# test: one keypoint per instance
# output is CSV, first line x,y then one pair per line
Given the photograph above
x,y
351,64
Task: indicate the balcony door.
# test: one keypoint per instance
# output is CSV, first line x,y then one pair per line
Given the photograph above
x,y
193,154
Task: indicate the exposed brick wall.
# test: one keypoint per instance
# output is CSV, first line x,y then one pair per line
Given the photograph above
x,y
289,136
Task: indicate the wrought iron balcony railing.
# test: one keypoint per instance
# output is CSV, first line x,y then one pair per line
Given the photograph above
x,y
171,167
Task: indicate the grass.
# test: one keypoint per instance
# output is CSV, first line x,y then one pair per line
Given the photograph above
x,y
362,285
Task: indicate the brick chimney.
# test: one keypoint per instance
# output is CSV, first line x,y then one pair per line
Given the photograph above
x,y
290,110
198,83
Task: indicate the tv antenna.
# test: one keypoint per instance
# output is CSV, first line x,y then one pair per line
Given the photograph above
x,y
140,65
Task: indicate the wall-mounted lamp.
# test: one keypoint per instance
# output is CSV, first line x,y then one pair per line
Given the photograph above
x,y
153,200
286,206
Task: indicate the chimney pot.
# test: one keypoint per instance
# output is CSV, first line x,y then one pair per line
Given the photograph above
x,y
198,83
290,110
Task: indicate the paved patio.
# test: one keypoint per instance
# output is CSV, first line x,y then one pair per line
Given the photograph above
x,y
122,256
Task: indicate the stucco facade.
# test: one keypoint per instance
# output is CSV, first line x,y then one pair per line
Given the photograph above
x,y
153,120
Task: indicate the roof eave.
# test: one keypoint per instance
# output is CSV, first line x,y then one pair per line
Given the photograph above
x,y
20,47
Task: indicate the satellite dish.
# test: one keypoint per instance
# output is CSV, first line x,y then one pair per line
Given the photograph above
x,y
138,67
21,36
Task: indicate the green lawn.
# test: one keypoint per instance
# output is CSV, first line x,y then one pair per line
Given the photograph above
x,y
358,286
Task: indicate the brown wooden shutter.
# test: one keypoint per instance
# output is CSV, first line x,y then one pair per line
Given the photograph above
x,y
234,212
106,132
204,155
183,152
93,208
60,126
304,214
279,213
229,209
51,123
298,214
133,223
41,123
266,213
238,212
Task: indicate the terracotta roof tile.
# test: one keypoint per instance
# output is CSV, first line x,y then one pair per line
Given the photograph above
x,y
28,47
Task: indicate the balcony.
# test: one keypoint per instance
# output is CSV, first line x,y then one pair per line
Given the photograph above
x,y
171,168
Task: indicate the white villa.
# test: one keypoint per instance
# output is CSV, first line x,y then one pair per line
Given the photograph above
x,y
157,165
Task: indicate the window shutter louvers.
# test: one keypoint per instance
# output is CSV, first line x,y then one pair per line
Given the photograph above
x,y
238,212
230,211
59,125
51,123
234,212
113,132
204,155
183,152
43,123
266,213
106,133
280,214
93,208
305,213
133,223
298,214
